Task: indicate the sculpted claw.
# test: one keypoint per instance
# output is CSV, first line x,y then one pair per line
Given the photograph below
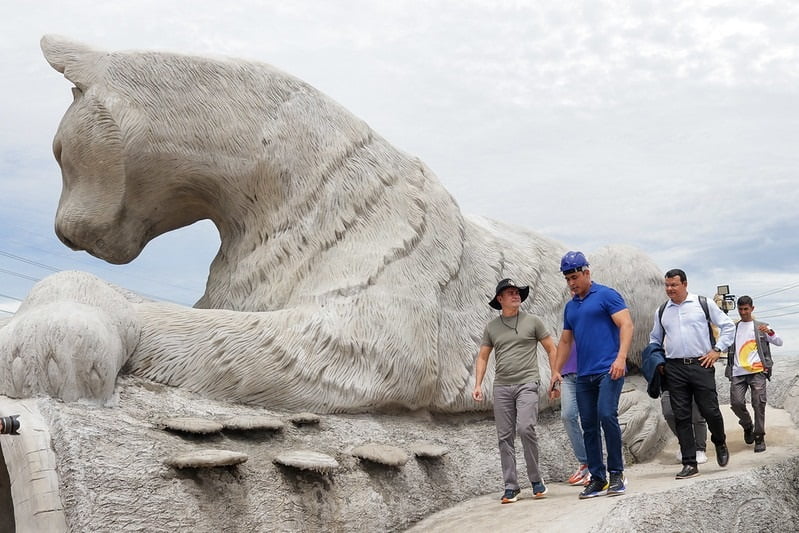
x,y
69,339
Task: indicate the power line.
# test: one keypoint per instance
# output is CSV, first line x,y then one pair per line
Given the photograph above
x,y
781,314
29,261
776,291
140,293
89,265
17,274
771,310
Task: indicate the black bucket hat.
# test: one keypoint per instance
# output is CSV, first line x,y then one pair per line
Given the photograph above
x,y
524,291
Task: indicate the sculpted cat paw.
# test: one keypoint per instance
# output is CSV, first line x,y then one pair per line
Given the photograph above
x,y
69,340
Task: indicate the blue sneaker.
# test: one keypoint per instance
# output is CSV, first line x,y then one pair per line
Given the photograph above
x,y
597,487
618,484
539,490
510,496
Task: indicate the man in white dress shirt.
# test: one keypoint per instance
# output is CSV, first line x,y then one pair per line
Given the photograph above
x,y
689,373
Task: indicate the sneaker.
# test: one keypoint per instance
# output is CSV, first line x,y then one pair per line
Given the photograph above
x,y
578,478
701,457
539,490
722,454
760,444
597,487
618,484
510,496
687,471
749,437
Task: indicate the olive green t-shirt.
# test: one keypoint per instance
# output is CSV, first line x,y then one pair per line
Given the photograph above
x,y
515,354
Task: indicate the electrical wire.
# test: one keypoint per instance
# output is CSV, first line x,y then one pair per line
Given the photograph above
x,y
19,275
772,309
140,293
89,265
776,291
780,314
29,261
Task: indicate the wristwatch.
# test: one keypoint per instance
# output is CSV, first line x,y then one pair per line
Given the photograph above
x,y
717,349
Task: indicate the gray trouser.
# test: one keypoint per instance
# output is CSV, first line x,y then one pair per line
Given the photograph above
x,y
516,411
738,386
700,426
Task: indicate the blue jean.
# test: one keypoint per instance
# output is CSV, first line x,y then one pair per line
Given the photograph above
x,y
598,402
570,415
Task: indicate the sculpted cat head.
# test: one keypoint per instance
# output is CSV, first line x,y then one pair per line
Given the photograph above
x,y
154,141
89,147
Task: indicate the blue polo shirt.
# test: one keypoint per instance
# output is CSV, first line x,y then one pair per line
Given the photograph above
x,y
597,336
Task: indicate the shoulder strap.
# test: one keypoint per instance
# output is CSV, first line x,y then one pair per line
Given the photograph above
x,y
703,303
660,319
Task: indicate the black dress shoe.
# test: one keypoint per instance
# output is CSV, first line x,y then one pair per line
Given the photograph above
x,y
687,471
722,454
749,436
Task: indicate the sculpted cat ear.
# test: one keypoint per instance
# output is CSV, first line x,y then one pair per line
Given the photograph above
x,y
74,60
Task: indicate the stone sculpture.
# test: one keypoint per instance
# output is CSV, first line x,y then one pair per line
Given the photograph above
x,y
347,277
347,280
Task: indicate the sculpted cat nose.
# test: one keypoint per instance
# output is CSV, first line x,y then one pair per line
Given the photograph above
x,y
68,243
63,238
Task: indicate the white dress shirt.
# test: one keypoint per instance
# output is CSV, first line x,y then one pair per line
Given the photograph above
x,y
686,328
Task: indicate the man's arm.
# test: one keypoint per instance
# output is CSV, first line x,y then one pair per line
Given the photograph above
x,y
624,321
549,346
771,335
724,323
480,372
561,356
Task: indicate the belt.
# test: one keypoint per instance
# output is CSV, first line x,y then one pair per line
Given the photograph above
x,y
685,360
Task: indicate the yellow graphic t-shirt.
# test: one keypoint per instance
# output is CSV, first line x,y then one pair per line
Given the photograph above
x,y
747,360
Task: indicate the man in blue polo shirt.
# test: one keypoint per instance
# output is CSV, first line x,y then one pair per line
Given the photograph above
x,y
598,320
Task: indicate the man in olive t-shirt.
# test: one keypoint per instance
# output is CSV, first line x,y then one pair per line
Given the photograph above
x,y
514,338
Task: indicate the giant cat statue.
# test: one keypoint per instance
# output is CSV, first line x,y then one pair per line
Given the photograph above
x,y
347,278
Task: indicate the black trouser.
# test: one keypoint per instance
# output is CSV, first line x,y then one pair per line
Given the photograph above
x,y
688,381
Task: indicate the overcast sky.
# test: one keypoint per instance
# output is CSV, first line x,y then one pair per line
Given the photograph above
x,y
672,126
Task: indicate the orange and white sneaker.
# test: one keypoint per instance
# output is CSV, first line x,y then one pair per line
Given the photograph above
x,y
580,476
510,495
